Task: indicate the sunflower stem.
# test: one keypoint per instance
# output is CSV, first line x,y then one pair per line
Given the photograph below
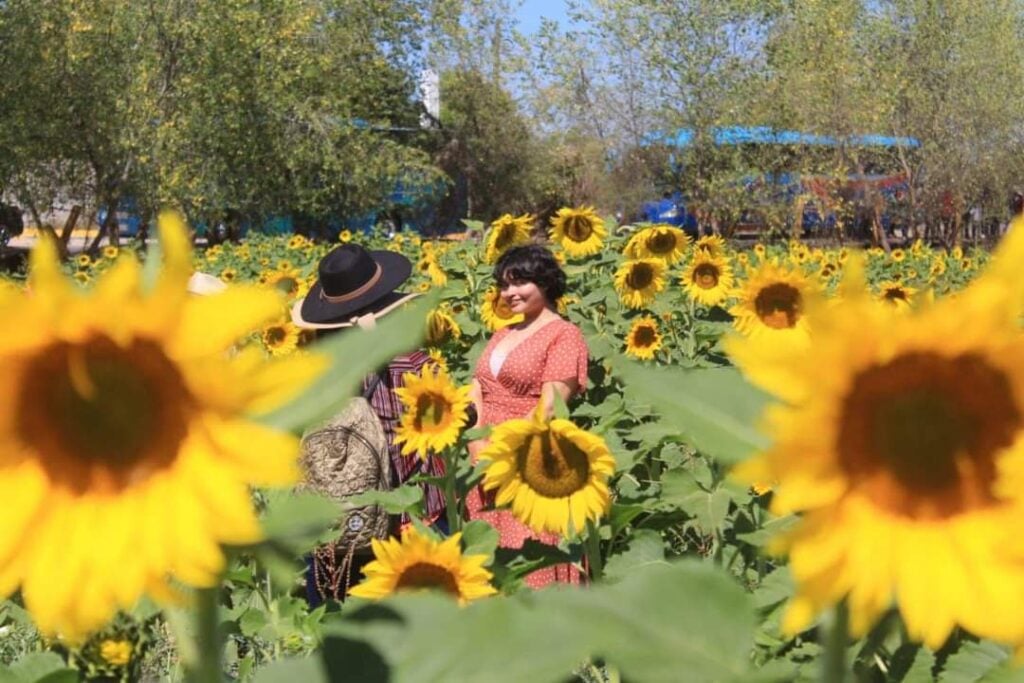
x,y
451,502
208,646
833,668
592,550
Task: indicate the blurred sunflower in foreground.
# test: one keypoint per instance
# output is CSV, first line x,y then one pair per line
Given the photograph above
x,y
900,442
126,454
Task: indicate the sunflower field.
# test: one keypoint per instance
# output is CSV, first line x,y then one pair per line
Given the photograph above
x,y
790,463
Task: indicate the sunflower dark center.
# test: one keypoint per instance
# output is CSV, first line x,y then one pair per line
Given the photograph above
x,y
553,466
706,276
778,305
644,336
506,235
578,228
273,336
895,294
98,414
922,432
661,243
640,276
287,285
432,411
424,575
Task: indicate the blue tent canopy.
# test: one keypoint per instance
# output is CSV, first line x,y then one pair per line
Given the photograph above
x,y
763,135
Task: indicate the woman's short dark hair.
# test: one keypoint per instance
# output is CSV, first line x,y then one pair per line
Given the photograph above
x,y
532,263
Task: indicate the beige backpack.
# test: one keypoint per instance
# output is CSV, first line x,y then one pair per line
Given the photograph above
x,y
342,457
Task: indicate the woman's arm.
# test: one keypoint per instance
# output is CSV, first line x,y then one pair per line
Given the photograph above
x,y
565,389
477,398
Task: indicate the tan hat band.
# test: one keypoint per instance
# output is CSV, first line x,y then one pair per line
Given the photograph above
x,y
356,293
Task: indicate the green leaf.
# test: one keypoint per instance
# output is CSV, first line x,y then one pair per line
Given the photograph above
x,y
354,353
976,662
36,667
716,409
646,547
395,502
308,670
656,622
775,588
298,515
912,664
769,530
480,538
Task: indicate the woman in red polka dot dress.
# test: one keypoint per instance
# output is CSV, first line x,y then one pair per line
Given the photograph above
x,y
522,365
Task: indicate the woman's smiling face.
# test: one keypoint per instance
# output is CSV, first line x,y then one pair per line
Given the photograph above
x,y
523,296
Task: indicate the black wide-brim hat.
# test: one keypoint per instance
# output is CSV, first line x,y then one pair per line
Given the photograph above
x,y
352,282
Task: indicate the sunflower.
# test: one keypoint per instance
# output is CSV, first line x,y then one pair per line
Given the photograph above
x,y
712,245
297,242
900,441
441,327
288,282
110,251
828,269
658,241
506,232
564,302
116,653
643,339
708,279
771,304
438,359
938,267
957,252
638,281
898,255
345,236
760,251
81,277
280,338
423,287
895,294
495,312
83,261
418,563
437,275
435,410
228,274
127,455
554,474
580,232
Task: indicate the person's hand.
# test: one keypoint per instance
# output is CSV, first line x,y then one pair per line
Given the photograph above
x,y
475,447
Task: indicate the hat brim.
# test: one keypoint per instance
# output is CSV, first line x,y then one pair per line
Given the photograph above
x,y
395,269
384,306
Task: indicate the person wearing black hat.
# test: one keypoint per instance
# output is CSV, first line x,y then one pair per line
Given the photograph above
x,y
354,288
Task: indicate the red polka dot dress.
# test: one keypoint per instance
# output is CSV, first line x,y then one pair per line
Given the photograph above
x,y
555,352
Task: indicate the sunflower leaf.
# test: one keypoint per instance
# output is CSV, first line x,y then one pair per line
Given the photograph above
x,y
715,409
658,621
397,501
354,354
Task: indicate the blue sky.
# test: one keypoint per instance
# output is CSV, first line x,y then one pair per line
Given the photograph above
x,y
532,10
